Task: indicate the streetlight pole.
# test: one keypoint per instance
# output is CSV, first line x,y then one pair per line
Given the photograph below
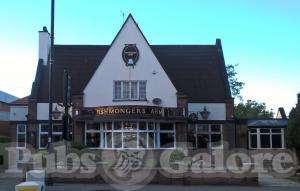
x,y
51,75
67,102
50,182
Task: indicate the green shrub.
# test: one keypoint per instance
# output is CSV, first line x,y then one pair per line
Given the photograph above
x,y
176,155
4,139
79,146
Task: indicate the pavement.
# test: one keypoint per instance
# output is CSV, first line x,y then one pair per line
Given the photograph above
x,y
266,183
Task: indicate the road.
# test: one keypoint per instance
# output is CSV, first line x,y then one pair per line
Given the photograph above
x,y
267,183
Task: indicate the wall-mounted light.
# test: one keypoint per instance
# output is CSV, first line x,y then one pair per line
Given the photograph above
x,y
56,113
204,114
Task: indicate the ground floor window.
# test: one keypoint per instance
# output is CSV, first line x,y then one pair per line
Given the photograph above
x,y
130,134
43,134
266,138
204,136
21,135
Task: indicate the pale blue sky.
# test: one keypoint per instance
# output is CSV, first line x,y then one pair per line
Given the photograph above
x,y
262,36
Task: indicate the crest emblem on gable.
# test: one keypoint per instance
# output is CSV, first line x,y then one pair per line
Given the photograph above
x,y
130,54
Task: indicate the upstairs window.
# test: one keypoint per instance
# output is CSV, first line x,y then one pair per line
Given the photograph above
x,y
142,90
129,90
117,90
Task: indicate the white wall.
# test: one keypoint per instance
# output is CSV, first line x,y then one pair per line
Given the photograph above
x,y
99,90
18,113
217,110
43,111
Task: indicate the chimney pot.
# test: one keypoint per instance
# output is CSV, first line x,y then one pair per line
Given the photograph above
x,y
45,29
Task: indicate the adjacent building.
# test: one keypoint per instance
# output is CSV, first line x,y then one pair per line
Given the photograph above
x,y
5,99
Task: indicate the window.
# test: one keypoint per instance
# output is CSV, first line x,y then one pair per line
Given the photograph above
x,y
57,132
126,90
93,135
130,135
265,138
142,90
167,135
43,134
117,90
206,136
253,141
134,90
21,135
129,90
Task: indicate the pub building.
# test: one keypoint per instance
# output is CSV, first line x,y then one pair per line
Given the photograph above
x,y
130,90
133,95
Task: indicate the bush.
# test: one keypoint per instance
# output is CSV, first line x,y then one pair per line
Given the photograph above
x,y
176,155
79,146
4,139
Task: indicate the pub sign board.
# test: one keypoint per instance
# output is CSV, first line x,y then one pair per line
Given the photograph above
x,y
133,111
130,54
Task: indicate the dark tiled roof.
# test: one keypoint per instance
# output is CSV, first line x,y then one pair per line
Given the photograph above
x,y
81,61
197,71
267,123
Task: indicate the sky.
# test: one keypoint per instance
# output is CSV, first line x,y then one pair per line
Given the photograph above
x,y
261,36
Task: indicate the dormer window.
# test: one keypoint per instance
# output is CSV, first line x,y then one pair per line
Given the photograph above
x,y
129,91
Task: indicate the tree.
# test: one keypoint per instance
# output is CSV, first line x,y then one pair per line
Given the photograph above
x,y
235,85
252,110
294,128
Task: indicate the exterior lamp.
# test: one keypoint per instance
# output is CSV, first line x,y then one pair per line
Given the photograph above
x,y
205,113
130,62
56,113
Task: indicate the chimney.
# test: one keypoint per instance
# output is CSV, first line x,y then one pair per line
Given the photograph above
x,y
44,45
298,101
219,44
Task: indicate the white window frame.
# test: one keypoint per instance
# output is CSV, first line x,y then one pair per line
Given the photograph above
x,y
130,90
21,133
209,133
46,133
258,140
156,132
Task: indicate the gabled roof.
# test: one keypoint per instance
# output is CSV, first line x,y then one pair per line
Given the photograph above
x,y
22,101
197,71
281,113
6,97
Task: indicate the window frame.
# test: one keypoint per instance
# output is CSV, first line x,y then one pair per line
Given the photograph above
x,y
156,134
258,134
209,132
130,97
21,133
46,133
